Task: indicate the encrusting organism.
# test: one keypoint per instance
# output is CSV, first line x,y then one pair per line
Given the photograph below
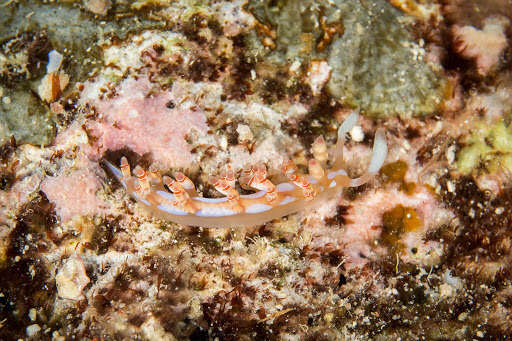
x,y
185,206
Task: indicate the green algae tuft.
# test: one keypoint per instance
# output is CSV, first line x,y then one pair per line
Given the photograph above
x,y
488,148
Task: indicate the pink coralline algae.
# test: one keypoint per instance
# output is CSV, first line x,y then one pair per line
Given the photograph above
x,y
74,194
144,121
484,46
365,217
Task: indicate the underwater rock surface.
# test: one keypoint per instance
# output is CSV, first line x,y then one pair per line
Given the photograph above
x,y
421,251
377,66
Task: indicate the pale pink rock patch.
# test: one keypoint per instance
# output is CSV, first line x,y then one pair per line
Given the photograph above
x,y
356,239
74,194
484,46
145,121
366,213
19,194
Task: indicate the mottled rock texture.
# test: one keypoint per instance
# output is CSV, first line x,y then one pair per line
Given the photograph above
x,y
423,251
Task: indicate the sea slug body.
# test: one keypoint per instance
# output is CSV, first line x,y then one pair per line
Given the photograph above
x,y
185,206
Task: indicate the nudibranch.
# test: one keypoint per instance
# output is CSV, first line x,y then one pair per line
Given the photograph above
x,y
183,205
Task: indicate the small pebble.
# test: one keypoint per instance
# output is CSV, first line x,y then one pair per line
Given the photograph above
x,y
33,330
450,186
295,66
99,7
244,133
471,213
328,317
32,314
450,154
71,279
357,134
223,142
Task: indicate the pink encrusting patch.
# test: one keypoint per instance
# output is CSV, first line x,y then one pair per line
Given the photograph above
x,y
19,194
485,46
74,194
356,239
365,215
146,121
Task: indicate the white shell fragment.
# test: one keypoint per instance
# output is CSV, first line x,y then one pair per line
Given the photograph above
x,y
55,81
54,61
72,279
